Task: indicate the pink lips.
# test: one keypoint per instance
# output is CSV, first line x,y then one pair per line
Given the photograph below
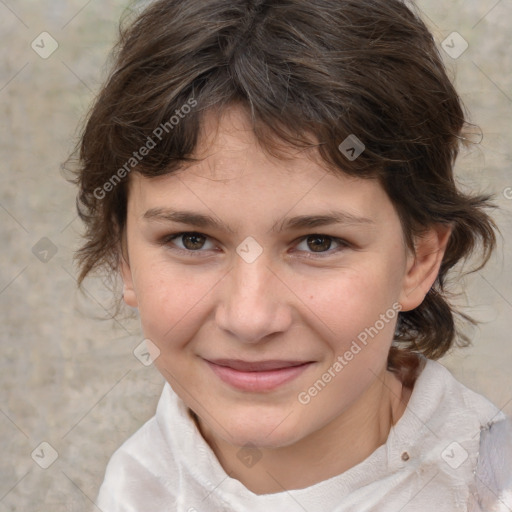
x,y
257,375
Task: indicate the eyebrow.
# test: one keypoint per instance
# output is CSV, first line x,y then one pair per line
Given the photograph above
x,y
293,223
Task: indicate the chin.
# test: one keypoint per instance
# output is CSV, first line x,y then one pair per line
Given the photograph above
x,y
258,430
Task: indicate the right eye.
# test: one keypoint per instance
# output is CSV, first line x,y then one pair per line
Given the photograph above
x,y
191,242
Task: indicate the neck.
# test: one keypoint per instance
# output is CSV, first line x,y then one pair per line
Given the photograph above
x,y
355,434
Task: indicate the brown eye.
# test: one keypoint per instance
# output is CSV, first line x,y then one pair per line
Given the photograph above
x,y
319,243
189,243
193,241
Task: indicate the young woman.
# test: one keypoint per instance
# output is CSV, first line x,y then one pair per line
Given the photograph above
x,y
273,182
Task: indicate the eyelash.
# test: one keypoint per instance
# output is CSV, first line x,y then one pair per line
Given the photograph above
x,y
169,238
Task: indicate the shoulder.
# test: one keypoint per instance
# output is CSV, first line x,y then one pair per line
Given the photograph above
x,y
493,477
134,477
454,401
474,428
135,450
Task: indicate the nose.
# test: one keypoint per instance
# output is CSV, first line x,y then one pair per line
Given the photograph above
x,y
255,302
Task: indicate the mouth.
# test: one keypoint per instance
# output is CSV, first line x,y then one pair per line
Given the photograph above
x,y
257,376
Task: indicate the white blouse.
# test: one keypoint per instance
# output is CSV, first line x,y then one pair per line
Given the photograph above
x,y
430,462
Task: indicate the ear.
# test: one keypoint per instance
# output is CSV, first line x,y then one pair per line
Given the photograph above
x,y
129,295
423,265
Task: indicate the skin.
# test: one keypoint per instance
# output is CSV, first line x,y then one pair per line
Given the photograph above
x,y
291,303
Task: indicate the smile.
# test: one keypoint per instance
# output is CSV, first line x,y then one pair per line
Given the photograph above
x,y
257,376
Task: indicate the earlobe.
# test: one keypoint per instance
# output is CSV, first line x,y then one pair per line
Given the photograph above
x,y
129,296
423,266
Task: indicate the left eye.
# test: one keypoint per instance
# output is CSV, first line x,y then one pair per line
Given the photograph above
x,y
322,243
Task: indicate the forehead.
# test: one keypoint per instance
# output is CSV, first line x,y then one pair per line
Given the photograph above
x,y
228,138
235,176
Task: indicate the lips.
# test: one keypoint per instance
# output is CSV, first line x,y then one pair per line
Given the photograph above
x,y
257,376
256,366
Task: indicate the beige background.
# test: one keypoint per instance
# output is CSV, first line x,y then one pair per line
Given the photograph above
x,y
70,379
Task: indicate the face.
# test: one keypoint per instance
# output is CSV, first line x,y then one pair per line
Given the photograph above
x,y
254,275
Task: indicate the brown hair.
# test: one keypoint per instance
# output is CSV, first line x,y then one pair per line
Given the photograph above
x,y
325,69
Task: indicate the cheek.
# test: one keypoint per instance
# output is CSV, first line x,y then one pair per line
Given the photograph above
x,y
349,301
356,315
171,300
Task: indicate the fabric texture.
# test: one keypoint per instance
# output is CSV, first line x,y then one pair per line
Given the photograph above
x,y
448,453
492,488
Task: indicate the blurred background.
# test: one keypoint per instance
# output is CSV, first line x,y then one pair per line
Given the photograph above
x,y
71,388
